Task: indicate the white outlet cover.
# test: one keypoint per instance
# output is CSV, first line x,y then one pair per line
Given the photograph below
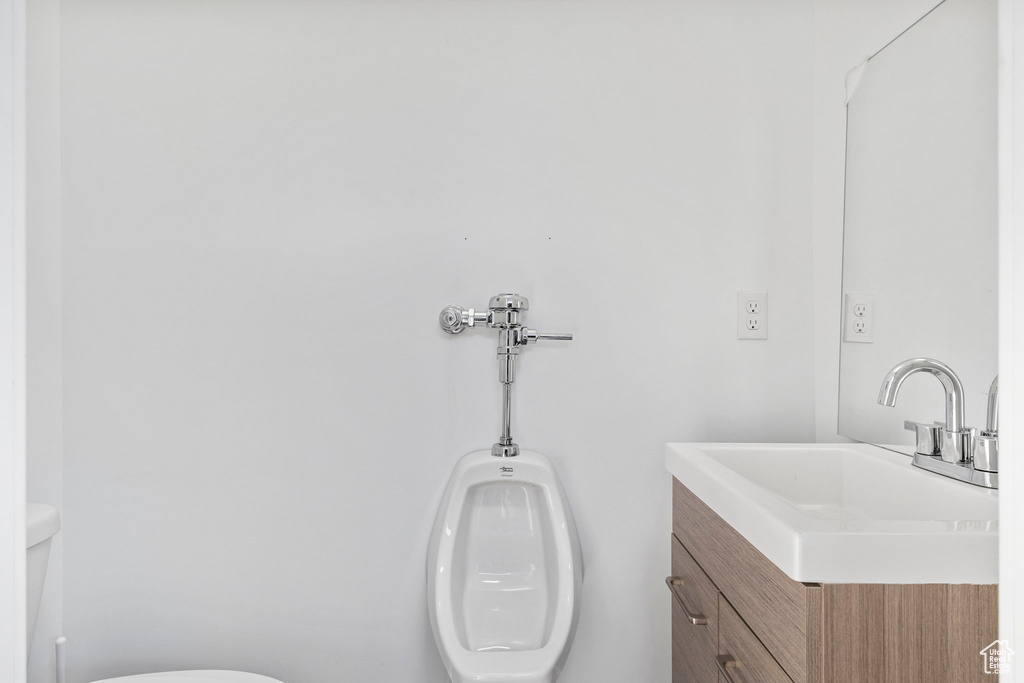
x,y
751,325
859,318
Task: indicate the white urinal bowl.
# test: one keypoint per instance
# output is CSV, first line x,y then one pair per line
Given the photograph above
x,y
204,676
504,571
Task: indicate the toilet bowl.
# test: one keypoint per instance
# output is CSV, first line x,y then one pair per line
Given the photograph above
x,y
504,571
41,523
205,676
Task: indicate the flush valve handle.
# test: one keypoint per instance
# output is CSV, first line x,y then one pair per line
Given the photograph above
x,y
533,336
455,319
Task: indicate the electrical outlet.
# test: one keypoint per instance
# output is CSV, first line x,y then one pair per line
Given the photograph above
x,y
751,315
859,318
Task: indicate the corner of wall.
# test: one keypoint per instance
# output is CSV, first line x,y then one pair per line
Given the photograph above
x,y
44,400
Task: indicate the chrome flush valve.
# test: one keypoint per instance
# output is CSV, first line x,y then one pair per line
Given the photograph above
x,y
503,313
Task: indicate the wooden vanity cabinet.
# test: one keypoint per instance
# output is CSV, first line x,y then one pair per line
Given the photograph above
x,y
760,626
694,619
741,654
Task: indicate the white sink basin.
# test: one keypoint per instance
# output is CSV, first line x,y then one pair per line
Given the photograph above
x,y
846,513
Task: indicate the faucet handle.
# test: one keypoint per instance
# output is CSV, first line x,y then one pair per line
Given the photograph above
x,y
986,452
992,418
929,437
535,336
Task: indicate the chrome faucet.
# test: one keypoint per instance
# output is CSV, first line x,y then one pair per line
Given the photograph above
x,y
503,313
956,443
952,449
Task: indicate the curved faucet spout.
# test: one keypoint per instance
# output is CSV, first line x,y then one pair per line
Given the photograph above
x,y
950,382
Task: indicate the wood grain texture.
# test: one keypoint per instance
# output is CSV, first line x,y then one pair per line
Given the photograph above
x,y
935,632
693,646
693,651
973,625
752,662
815,629
853,630
698,591
775,606
914,619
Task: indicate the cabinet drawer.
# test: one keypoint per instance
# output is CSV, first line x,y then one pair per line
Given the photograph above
x,y
691,586
785,614
694,620
742,658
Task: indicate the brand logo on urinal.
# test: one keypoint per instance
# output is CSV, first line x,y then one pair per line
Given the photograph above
x,y
505,471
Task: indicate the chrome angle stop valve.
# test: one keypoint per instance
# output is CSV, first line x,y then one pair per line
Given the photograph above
x,y
503,314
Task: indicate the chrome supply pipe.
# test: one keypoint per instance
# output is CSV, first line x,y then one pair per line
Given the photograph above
x,y
506,431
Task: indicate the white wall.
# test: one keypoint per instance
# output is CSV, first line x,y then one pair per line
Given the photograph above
x,y
846,32
44,387
12,340
1011,331
265,206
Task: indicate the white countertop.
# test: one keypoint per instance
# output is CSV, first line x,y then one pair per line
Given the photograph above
x,y
845,513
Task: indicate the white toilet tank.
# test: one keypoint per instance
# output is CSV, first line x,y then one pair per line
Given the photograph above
x,y
41,523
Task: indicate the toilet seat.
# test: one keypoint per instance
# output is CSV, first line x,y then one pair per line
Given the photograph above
x,y
204,676
504,571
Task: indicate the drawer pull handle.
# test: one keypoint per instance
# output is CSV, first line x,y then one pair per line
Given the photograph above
x,y
725,662
695,619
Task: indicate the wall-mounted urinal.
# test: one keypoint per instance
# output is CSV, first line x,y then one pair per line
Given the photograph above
x,y
504,571
504,568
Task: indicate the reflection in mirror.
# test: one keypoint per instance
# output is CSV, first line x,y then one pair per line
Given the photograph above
x,y
919,248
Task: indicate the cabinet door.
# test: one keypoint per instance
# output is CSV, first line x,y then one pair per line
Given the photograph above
x,y
742,658
694,620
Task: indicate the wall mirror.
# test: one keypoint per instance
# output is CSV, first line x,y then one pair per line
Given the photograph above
x,y
920,235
